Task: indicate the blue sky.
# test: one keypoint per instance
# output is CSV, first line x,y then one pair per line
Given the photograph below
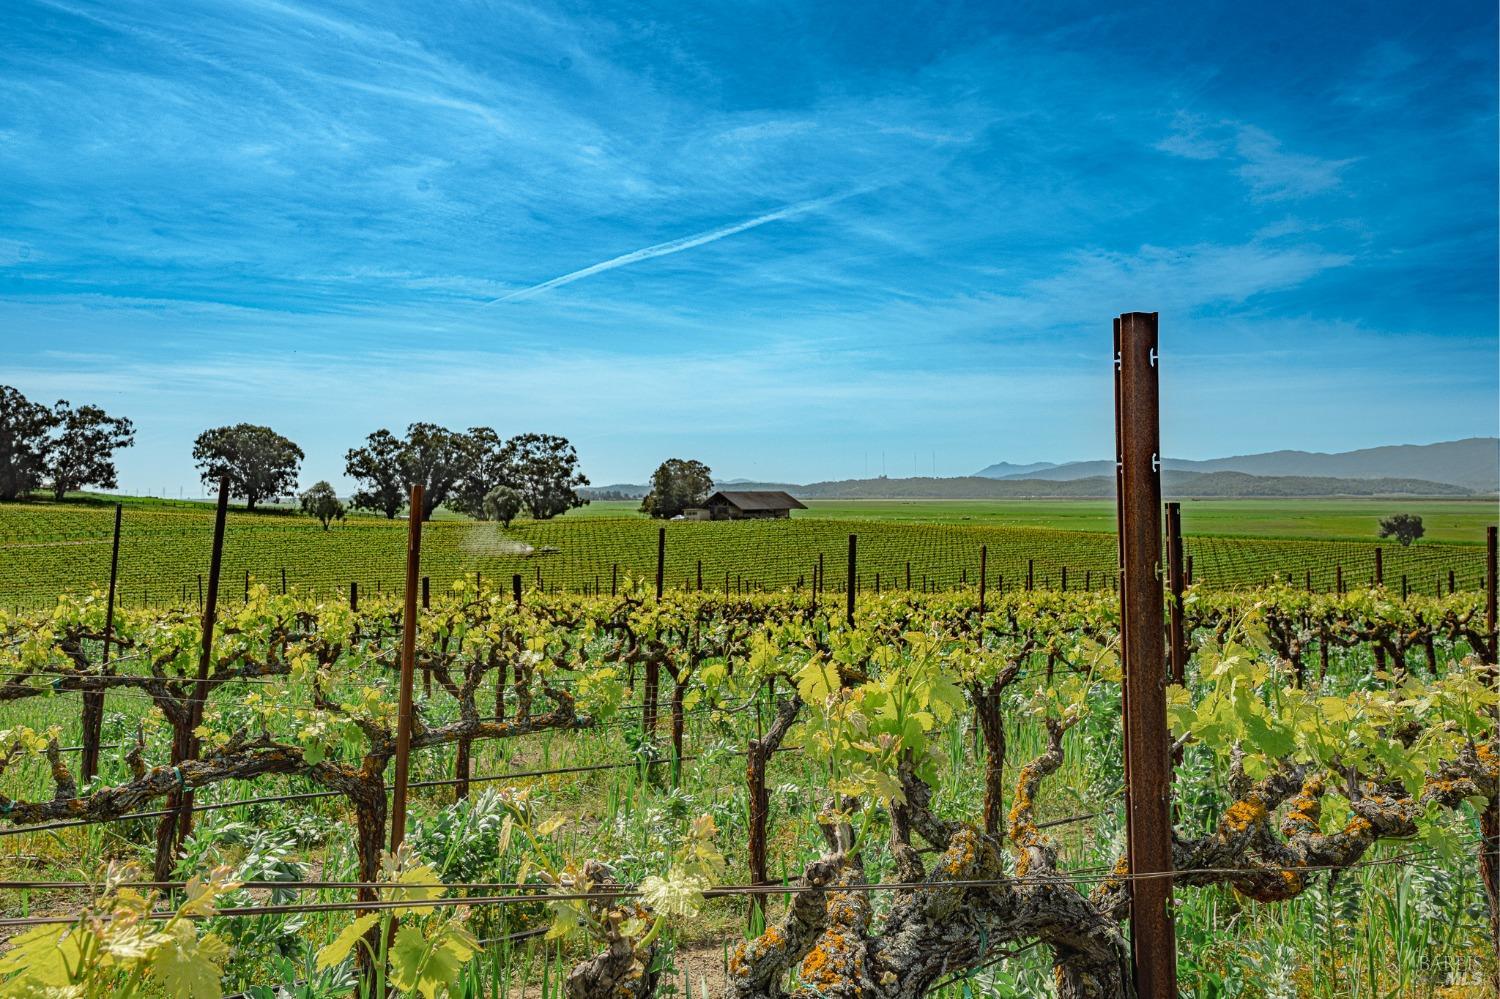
x,y
780,237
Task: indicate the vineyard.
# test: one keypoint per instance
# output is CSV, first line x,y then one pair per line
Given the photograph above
x,y
737,794
164,555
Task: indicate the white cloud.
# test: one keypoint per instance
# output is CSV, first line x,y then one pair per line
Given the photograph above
x,y
676,245
1270,171
1275,174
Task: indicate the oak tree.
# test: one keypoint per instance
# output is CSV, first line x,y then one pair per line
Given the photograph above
x,y
676,485
503,504
82,452
259,463
543,468
378,469
1404,527
323,503
388,466
25,427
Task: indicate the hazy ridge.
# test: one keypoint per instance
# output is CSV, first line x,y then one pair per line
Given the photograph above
x,y
1473,463
1450,468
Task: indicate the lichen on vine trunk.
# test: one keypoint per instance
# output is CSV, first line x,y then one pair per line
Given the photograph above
x,y
832,947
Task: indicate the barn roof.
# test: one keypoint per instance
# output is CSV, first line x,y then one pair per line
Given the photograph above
x,y
756,500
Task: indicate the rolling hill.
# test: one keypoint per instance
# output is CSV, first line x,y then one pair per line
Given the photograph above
x,y
1472,463
1205,485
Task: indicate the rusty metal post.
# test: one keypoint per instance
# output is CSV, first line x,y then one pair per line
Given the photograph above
x,y
426,592
353,595
1030,573
93,701
408,667
614,575
1338,579
849,588
1177,644
700,575
1379,566
1148,763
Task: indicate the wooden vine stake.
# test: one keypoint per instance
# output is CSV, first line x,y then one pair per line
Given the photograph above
x,y
1175,633
984,556
174,827
408,668
93,701
652,693
1148,762
661,559
853,575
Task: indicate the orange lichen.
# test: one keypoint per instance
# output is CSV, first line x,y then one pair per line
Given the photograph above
x,y
750,952
961,853
1287,884
1306,810
1243,814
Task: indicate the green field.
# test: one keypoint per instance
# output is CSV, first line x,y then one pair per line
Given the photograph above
x,y
1447,521
48,548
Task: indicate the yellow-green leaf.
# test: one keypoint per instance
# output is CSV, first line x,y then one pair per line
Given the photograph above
x,y
338,951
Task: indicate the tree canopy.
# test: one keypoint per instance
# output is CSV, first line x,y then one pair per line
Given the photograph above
x,y
484,470
259,463
503,504
25,427
378,469
463,469
543,468
676,485
68,447
388,466
82,453
322,502
1404,527
436,458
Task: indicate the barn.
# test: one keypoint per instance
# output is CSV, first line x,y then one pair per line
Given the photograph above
x,y
751,505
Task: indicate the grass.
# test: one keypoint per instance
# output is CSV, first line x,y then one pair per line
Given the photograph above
x,y
47,548
1448,521
1383,931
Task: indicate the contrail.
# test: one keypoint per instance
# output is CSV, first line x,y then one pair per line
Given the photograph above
x,y
675,246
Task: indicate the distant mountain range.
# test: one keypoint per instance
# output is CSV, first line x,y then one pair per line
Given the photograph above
x,y
1452,468
1005,470
1206,485
1473,463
